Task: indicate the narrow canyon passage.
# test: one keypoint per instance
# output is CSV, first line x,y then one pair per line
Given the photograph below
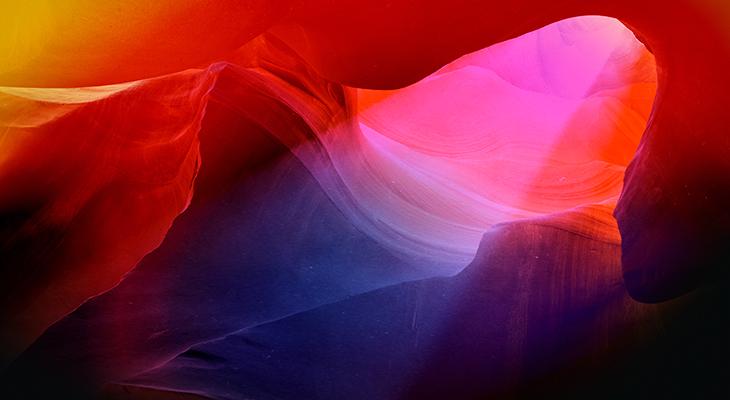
x,y
363,200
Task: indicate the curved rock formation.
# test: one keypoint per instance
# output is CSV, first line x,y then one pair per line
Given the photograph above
x,y
280,199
